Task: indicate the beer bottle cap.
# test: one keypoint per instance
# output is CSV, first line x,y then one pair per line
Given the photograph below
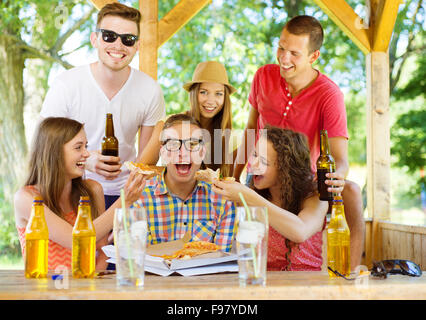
x,y
38,199
84,199
338,199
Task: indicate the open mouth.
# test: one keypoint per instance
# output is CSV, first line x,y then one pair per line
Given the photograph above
x,y
183,169
286,67
116,55
257,178
81,164
209,108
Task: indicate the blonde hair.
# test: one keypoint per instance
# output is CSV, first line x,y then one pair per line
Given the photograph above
x,y
222,120
46,166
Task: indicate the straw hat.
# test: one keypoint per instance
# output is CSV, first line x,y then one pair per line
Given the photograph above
x,y
210,71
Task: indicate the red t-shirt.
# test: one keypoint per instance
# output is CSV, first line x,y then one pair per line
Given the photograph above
x,y
320,106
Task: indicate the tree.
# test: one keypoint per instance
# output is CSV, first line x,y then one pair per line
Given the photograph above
x,y
409,130
32,38
408,29
30,31
408,133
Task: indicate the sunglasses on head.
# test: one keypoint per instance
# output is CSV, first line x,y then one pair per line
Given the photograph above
x,y
128,40
406,267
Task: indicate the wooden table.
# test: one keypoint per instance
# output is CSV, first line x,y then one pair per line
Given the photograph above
x,y
280,285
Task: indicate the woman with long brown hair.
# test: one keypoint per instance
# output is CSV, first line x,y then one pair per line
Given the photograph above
x,y
209,96
56,170
283,182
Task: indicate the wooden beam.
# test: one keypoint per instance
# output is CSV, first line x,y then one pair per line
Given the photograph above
x,y
176,18
348,21
383,16
99,4
149,37
378,144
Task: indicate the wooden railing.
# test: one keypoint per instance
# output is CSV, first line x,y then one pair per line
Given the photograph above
x,y
401,241
397,241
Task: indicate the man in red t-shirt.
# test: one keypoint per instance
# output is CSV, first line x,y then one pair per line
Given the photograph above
x,y
294,95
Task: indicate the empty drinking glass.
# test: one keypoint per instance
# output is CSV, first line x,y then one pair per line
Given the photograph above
x,y
130,237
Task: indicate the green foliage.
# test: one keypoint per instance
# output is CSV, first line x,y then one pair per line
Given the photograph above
x,y
417,84
355,112
9,242
407,193
408,134
10,21
409,140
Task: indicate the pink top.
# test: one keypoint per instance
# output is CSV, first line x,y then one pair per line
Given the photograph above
x,y
305,256
58,255
320,106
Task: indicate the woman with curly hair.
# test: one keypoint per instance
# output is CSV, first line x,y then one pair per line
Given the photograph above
x,y
283,182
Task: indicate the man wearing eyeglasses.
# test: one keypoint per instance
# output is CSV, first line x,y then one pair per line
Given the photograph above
x,y
176,202
109,85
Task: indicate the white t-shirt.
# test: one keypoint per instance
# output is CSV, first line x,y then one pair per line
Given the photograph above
x,y
75,94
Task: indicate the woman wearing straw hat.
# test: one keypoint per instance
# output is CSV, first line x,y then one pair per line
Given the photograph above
x,y
209,95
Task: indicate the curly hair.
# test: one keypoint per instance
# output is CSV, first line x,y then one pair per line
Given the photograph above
x,y
294,171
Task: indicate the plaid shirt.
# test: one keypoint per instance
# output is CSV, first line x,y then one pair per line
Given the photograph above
x,y
204,213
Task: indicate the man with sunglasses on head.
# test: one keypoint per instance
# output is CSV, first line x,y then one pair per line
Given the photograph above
x,y
176,202
109,85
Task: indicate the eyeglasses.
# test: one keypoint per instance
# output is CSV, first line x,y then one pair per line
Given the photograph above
x,y
406,267
190,144
128,40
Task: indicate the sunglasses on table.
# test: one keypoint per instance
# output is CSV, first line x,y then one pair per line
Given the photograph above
x,y
382,268
405,267
127,39
191,144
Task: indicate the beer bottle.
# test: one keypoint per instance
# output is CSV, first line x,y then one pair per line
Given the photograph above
x,y
36,242
83,242
338,240
109,141
325,164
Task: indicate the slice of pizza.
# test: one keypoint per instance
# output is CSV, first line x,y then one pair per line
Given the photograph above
x,y
148,170
192,249
208,175
201,245
188,253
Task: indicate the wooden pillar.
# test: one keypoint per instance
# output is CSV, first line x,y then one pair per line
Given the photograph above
x,y
99,4
378,143
176,18
149,37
